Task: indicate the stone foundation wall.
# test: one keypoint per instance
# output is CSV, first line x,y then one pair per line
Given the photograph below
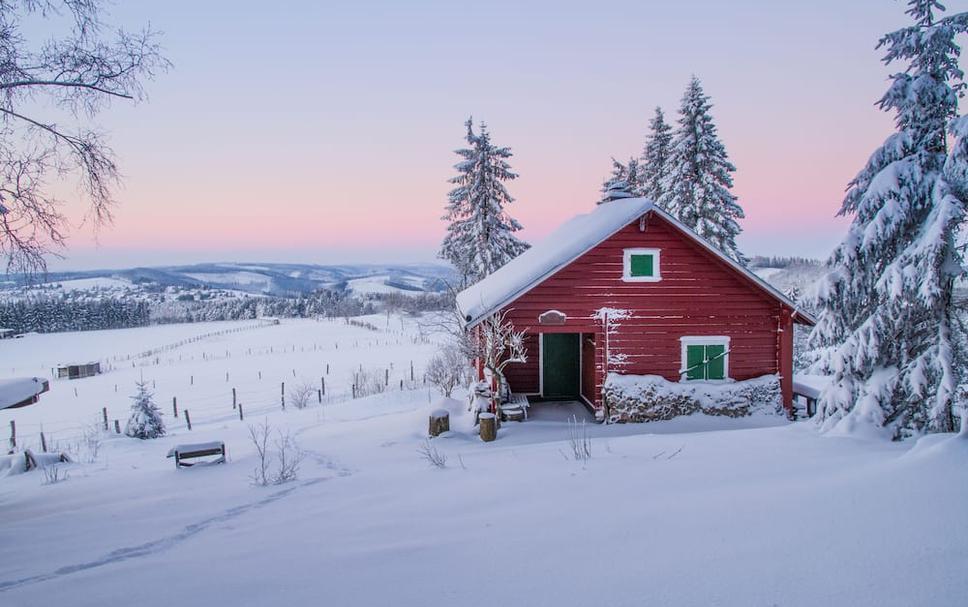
x,y
645,398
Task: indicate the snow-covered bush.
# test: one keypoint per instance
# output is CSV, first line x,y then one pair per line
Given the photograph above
x,y
302,394
54,474
447,369
581,443
431,455
287,456
145,421
369,381
643,398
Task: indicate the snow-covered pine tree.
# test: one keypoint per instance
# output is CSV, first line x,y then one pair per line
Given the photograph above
x,y
145,421
622,183
654,165
480,233
696,189
885,325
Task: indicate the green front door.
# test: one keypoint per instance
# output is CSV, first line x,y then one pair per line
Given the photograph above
x,y
561,365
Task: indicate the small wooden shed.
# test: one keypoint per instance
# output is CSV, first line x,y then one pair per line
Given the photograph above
x,y
79,370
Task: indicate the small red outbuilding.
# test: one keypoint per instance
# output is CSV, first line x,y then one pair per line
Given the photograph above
x,y
628,289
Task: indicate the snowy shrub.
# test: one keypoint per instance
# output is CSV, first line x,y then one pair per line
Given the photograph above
x,y
288,459
90,444
643,398
447,369
259,435
287,456
302,394
581,443
54,474
367,382
145,421
432,456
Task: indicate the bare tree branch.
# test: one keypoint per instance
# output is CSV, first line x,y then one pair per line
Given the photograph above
x,y
79,71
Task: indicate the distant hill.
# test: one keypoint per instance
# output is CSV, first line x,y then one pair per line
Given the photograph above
x,y
272,279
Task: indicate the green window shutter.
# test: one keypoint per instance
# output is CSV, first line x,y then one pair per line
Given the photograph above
x,y
716,369
642,265
695,355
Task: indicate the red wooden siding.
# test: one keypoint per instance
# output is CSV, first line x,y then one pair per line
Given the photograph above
x,y
699,294
523,377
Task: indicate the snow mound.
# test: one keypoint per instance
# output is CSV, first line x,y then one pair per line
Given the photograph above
x,y
641,398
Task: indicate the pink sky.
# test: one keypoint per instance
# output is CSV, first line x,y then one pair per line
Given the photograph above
x,y
325,134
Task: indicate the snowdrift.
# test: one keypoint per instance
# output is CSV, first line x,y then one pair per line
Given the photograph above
x,y
645,398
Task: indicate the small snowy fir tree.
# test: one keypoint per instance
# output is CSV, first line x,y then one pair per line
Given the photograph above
x,y
696,189
622,183
145,421
654,165
885,324
480,233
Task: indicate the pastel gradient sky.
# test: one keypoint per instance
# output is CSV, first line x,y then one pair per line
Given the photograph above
x,y
323,132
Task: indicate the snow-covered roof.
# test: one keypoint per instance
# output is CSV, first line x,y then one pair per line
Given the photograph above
x,y
575,237
17,390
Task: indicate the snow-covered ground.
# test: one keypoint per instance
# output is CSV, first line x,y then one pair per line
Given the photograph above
x,y
695,511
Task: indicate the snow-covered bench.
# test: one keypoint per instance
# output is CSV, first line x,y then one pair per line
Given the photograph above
x,y
196,450
809,388
516,409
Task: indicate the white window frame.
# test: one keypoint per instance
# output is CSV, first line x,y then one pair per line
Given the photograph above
x,y
703,340
627,265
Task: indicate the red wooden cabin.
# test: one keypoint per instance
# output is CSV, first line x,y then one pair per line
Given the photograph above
x,y
629,289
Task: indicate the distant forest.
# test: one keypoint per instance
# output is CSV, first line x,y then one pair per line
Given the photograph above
x,y
43,314
775,261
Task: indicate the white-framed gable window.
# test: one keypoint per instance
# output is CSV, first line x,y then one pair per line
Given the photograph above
x,y
641,265
704,358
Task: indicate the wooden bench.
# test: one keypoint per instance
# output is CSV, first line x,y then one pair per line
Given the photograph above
x,y
808,393
196,450
516,409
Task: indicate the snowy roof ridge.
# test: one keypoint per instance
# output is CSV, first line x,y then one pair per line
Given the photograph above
x,y
570,241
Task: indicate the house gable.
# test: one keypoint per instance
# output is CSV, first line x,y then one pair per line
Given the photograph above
x,y
699,294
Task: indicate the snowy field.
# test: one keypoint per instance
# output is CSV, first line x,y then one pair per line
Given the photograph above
x,y
696,511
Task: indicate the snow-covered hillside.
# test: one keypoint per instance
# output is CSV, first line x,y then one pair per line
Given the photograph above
x,y
696,511
257,279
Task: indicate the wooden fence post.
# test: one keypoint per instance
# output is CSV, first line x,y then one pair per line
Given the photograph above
x,y
188,420
104,414
117,427
322,385
174,406
386,377
13,434
240,412
327,368
43,443
233,398
320,394
411,370
283,396
191,380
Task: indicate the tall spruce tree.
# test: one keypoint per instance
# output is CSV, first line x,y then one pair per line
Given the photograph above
x,y
696,188
885,325
480,233
623,182
654,165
